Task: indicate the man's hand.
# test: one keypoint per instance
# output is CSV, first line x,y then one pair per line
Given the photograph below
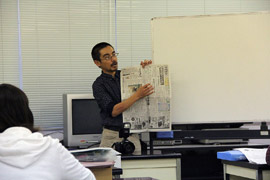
x,y
145,90
141,92
145,62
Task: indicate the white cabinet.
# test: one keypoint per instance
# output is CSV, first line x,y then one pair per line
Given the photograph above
x,y
160,168
242,170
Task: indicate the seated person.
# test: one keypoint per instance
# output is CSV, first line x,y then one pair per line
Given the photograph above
x,y
26,154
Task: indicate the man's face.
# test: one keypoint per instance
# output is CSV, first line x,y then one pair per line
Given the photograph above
x,y
108,60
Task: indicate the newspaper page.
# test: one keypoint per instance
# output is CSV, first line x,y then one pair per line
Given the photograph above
x,y
254,156
151,113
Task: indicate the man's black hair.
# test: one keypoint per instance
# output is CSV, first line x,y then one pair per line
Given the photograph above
x,y
95,51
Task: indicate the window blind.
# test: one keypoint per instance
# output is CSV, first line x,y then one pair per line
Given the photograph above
x,y
57,37
9,43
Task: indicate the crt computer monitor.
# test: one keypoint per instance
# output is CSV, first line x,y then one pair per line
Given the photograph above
x,y
82,121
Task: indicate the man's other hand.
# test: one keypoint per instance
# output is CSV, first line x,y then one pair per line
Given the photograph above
x,y
145,90
145,62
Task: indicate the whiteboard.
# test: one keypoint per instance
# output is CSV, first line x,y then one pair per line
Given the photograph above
x,y
219,66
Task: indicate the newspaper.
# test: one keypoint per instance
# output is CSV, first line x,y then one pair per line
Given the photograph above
x,y
254,156
151,113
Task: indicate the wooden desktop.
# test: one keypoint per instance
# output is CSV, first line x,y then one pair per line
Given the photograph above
x,y
101,170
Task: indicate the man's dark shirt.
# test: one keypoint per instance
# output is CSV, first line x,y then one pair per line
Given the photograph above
x,y
106,91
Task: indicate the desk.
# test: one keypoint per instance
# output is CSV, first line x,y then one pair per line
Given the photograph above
x,y
199,161
162,166
101,170
243,170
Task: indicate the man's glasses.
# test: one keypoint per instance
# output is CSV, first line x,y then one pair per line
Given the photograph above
x,y
108,57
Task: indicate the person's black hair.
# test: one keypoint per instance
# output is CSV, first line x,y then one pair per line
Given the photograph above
x,y
95,50
14,108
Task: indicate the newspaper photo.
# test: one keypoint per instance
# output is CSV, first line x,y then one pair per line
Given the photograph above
x,y
151,113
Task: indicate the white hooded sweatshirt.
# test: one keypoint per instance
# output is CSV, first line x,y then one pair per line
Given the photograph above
x,y
25,155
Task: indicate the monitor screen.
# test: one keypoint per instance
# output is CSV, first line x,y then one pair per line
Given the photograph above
x,y
82,121
86,117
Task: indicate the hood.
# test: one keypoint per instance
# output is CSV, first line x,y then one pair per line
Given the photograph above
x,y
20,147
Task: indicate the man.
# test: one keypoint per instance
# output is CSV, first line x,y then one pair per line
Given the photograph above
x,y
106,90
